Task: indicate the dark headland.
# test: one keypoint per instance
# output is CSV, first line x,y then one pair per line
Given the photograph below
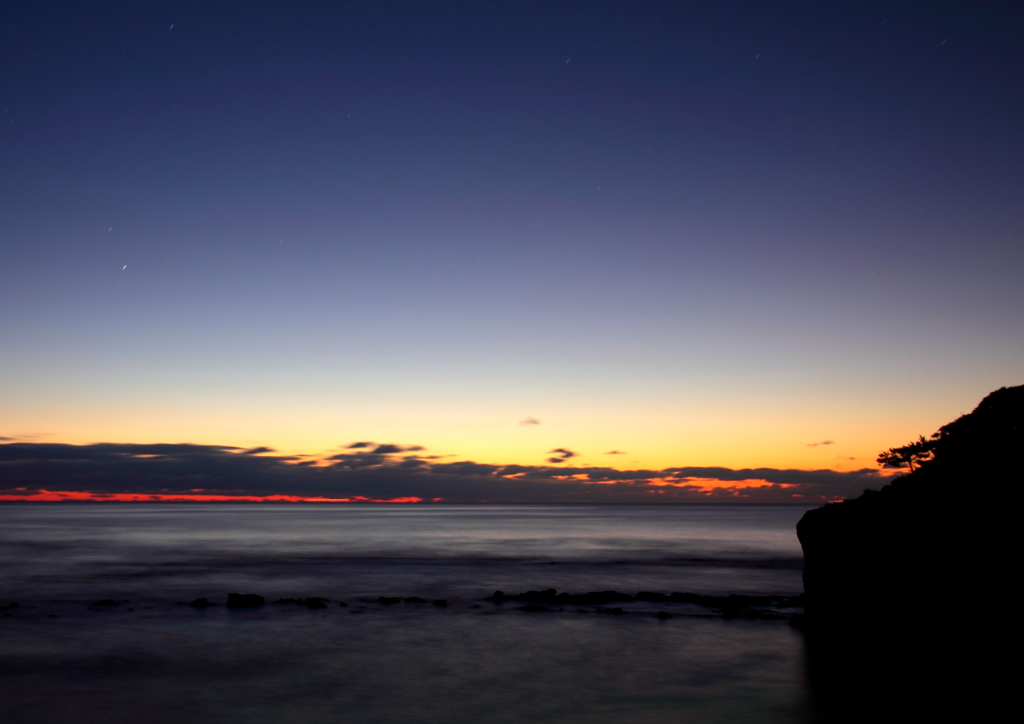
x,y
908,590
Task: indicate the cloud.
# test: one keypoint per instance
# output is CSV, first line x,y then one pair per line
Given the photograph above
x,y
371,471
615,452
560,455
380,455
823,442
25,437
465,467
529,421
258,450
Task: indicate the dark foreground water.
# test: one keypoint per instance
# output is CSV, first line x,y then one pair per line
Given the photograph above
x,y
149,659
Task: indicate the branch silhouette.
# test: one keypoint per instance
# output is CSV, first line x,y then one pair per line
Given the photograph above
x,y
911,455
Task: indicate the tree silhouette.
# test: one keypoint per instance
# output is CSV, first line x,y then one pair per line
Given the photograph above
x,y
910,455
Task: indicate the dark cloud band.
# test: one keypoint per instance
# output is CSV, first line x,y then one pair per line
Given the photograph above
x,y
381,471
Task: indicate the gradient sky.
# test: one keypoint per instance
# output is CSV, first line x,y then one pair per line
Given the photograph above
x,y
702,234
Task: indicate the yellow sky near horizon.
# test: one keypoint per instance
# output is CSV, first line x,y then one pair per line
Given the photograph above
x,y
701,435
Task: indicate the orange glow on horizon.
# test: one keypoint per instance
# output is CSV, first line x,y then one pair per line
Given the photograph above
x,y
716,484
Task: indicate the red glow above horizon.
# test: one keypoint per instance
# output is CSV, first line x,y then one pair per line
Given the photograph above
x,y
56,496
732,489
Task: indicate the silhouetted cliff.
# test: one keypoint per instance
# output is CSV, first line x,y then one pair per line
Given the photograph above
x,y
893,579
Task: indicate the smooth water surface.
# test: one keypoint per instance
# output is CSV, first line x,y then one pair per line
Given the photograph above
x,y
150,659
137,549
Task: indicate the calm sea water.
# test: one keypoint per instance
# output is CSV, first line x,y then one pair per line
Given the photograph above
x,y
152,660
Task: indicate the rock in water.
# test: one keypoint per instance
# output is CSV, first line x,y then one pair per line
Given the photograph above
x,y
890,577
244,600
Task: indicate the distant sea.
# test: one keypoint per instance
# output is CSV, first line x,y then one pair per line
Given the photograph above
x,y
143,656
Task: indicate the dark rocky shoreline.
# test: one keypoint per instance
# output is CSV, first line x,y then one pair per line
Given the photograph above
x,y
882,570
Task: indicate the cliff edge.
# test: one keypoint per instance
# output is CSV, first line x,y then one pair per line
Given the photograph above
x,y
893,579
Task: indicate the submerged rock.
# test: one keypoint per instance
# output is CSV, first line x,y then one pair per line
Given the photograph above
x,y
244,600
313,602
550,596
733,602
751,614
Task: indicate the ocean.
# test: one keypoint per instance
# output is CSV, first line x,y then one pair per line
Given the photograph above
x,y
100,631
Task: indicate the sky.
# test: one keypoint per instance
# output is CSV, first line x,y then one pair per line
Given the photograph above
x,y
741,240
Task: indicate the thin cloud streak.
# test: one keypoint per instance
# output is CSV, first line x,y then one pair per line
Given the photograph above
x,y
560,455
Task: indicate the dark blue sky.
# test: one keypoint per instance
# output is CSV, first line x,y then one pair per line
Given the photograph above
x,y
703,233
